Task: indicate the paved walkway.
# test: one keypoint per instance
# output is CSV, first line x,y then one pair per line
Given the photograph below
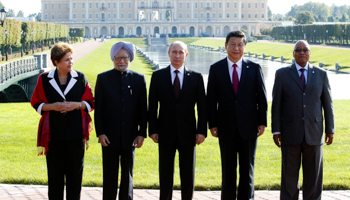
x,y
39,192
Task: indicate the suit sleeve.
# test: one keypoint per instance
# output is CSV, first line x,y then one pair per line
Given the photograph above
x,y
201,108
142,104
153,106
212,99
327,104
277,94
99,108
261,98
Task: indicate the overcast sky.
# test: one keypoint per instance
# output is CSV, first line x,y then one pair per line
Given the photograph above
x,y
276,6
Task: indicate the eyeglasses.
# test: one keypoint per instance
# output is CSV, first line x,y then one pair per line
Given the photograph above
x,y
120,58
301,50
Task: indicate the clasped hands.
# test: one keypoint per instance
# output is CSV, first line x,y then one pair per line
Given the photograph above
x,y
66,106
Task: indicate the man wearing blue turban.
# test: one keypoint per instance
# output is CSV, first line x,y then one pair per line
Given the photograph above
x,y
120,120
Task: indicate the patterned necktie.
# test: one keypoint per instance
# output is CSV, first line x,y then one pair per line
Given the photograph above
x,y
302,77
235,80
176,85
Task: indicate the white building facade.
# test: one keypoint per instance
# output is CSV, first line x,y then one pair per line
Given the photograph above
x,y
144,17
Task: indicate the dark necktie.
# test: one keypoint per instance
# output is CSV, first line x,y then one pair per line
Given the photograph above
x,y
235,80
176,85
302,77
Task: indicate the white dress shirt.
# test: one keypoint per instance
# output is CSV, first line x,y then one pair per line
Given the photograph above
x,y
238,68
180,74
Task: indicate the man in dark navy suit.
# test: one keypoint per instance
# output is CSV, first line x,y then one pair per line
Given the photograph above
x,y
120,120
173,125
237,115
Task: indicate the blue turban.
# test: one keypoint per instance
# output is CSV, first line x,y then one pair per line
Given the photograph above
x,y
127,46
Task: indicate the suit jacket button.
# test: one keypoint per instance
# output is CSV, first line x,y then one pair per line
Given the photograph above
x,y
304,106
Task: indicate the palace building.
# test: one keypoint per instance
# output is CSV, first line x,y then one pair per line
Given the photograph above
x,y
144,17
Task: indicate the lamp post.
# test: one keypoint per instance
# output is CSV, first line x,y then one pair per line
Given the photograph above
x,y
2,16
6,46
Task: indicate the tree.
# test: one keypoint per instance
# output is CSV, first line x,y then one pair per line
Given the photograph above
x,y
10,13
38,17
20,14
269,14
304,17
330,19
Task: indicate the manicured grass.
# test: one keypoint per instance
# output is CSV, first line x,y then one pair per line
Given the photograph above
x,y
20,164
328,56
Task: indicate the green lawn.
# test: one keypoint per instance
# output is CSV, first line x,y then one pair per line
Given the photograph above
x,y
20,163
328,56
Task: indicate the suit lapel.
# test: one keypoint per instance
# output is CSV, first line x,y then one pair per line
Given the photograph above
x,y
295,76
168,81
310,77
244,73
227,75
186,80
70,85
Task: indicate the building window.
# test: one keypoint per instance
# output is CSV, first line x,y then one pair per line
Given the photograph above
x,y
256,5
96,15
208,5
109,15
122,5
262,15
53,6
129,5
235,5
83,16
195,15
114,15
109,5
129,15
256,15
228,5
262,5
59,6
52,16
195,5
59,16
66,16
220,15
67,5
180,5
248,5
235,15
249,15
122,15
83,5
188,15
180,15
242,16
202,5
45,16
242,5
90,5
213,4
188,5
45,6
214,15
74,16
90,16
73,5
219,4
96,5
114,5
228,15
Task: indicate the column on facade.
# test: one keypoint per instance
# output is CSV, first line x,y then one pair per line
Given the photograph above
x,y
239,9
70,9
223,10
86,9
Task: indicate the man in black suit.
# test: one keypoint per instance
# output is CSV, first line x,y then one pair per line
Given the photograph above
x,y
300,93
173,125
237,115
120,120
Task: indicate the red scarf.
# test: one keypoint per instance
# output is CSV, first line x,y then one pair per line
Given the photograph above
x,y
44,136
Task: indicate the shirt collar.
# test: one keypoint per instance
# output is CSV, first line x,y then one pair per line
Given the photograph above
x,y
300,67
181,69
238,63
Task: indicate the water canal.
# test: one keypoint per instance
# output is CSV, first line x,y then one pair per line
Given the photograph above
x,y
200,61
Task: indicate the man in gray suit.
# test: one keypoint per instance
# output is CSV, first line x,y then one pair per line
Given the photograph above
x,y
300,93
